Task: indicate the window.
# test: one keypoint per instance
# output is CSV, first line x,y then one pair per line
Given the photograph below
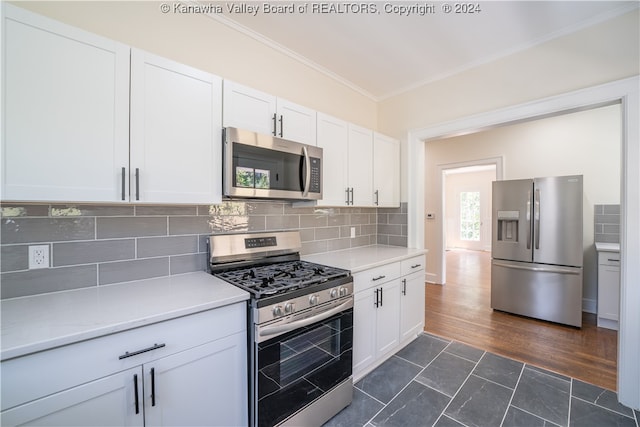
x,y
470,215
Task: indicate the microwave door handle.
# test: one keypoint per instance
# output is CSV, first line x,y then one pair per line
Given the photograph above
x,y
307,173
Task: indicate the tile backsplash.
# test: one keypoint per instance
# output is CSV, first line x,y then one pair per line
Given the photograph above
x,y
607,223
93,245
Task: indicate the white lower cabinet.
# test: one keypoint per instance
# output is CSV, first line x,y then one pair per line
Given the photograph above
x,y
388,311
106,401
189,371
608,289
412,306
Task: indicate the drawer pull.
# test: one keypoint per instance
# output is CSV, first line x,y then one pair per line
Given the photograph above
x,y
378,278
404,286
613,260
144,350
135,393
153,386
416,266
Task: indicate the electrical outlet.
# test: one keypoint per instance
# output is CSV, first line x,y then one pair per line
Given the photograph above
x,y
353,232
38,256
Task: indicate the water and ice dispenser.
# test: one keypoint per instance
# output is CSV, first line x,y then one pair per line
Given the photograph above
x,y
508,226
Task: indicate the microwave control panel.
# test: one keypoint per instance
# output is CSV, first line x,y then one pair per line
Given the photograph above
x,y
316,173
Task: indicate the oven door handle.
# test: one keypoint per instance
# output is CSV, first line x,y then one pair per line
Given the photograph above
x,y
280,329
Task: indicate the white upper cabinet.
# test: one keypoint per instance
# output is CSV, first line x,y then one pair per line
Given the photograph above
x,y
333,138
386,171
356,163
66,111
176,125
251,109
296,122
360,174
247,108
89,120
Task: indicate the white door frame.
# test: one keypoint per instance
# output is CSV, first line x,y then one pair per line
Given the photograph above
x,y
626,92
498,163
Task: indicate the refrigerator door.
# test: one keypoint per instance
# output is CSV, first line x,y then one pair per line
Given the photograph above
x,y
557,220
511,215
541,291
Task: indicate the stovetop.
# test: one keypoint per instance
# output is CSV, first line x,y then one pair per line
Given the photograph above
x,y
281,278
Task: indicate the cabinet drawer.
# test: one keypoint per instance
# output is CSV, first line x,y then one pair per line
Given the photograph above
x,y
376,276
40,374
609,258
412,265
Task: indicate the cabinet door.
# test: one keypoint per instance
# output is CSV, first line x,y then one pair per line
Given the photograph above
x,y
295,122
360,175
608,292
386,171
66,111
364,332
206,385
388,319
109,401
333,138
249,109
176,114
412,305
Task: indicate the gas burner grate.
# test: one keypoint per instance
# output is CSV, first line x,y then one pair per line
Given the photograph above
x,y
278,278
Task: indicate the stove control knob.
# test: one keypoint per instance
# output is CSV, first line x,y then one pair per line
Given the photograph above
x,y
344,292
288,308
277,311
313,299
333,293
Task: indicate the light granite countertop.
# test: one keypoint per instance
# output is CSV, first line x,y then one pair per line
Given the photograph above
x,y
607,247
365,257
40,322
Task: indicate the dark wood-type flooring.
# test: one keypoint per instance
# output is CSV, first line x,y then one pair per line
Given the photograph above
x,y
461,310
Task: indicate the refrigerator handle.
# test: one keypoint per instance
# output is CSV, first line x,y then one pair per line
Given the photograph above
x,y
537,219
529,219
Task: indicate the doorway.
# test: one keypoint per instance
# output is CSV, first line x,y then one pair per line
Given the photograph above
x,y
467,207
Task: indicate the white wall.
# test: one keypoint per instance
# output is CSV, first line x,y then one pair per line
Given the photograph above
x,y
202,42
600,54
584,143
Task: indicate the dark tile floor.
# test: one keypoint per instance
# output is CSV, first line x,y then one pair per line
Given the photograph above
x,y
434,382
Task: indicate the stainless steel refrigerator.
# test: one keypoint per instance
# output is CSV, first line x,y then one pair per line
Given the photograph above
x,y
536,266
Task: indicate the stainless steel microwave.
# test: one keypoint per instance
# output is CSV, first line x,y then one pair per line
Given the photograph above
x,y
267,167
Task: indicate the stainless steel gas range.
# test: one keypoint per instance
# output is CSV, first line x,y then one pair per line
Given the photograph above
x,y
300,327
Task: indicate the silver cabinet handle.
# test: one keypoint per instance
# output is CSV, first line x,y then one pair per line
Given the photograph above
x,y
404,286
123,180
416,266
275,126
281,125
376,194
351,191
137,184
378,278
347,193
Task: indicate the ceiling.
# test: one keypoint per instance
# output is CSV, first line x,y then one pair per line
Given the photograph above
x,y
385,53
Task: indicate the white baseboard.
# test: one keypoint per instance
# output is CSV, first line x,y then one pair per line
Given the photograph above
x,y
589,305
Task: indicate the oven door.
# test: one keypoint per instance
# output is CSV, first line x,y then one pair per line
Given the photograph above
x,y
299,366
